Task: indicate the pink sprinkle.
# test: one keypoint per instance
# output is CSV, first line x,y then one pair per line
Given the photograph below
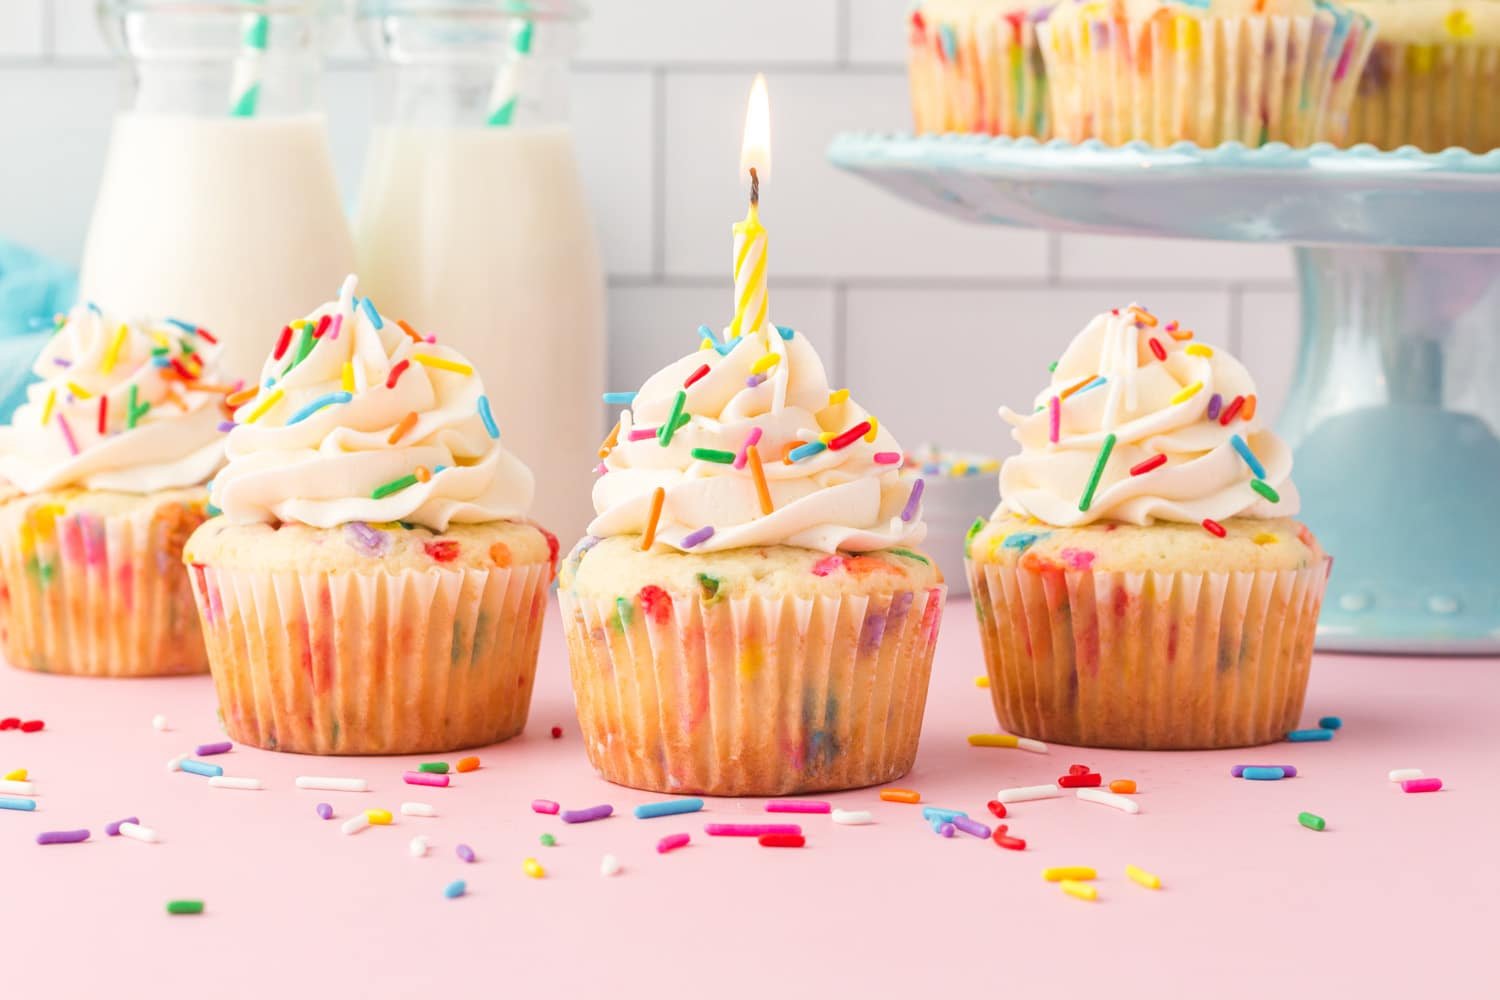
x,y
797,806
1422,785
1077,558
431,338
424,778
641,433
751,440
545,806
600,469
827,565
749,829
62,422
333,331
1054,419
887,457
672,842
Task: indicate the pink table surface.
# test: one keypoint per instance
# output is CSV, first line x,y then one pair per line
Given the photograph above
x,y
1398,894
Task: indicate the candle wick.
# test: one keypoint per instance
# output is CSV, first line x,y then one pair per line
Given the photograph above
x,y
754,187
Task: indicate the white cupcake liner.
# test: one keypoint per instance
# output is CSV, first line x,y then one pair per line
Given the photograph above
x,y
1429,96
995,82
755,695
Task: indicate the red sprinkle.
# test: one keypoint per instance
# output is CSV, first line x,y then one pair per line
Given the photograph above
x,y
1154,462
322,327
35,725
206,335
282,343
781,840
103,415
1078,769
1080,781
401,366
1214,527
1231,411
996,807
1008,842
443,551
1158,350
701,371
10,723
557,732
850,436
181,369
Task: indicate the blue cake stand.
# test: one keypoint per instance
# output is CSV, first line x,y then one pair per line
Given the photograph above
x,y
1395,406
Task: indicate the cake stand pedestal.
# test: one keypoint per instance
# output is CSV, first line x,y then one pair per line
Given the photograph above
x,y
1395,405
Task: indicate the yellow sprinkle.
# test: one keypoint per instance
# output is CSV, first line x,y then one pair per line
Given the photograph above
x,y
1075,873
19,774
707,345
264,405
874,429
1265,538
960,468
47,407
1188,393
993,740
982,681
765,363
347,382
1145,878
826,436
838,396
1079,890
79,391
1200,350
995,544
432,361
532,868
1459,24
112,354
378,817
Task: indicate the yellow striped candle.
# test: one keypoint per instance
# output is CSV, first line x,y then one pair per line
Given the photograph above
x,y
751,298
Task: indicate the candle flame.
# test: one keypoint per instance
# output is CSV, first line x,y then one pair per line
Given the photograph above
x,y
755,153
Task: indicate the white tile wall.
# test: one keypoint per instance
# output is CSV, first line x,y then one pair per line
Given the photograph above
x,y
934,324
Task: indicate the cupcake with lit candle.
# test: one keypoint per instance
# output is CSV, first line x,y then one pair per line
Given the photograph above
x,y
104,468
1143,583
372,585
975,66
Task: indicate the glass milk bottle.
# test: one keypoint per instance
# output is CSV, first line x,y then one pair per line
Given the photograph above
x,y
218,204
472,224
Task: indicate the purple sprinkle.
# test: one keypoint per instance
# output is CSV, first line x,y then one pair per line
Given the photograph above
x,y
325,811
226,426
972,827
1214,403
113,829
465,853
367,540
62,837
1238,770
696,538
754,380
209,749
587,815
910,510
946,829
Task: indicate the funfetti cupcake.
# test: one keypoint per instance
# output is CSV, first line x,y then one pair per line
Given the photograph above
x,y
106,463
748,615
1143,583
975,67
372,586
1203,71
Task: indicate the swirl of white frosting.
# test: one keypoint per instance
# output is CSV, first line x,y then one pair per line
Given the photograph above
x,y
1111,384
850,497
128,407
358,420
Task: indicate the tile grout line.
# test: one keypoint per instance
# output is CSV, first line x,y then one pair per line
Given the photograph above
x,y
659,173
841,334
1236,323
842,26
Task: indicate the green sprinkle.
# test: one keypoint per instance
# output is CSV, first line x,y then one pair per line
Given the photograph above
x,y
394,486
547,840
434,767
1265,490
131,414
974,529
1312,821
713,455
182,906
908,553
670,427
304,347
1052,367
160,352
710,586
624,612
1088,493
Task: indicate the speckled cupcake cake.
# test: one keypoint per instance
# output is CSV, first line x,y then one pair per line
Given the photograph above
x,y
747,615
371,586
105,465
975,67
1143,583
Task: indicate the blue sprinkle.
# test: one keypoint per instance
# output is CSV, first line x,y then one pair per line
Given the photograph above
x,y
332,399
1092,385
455,889
1330,722
619,398
949,40
707,333
369,308
20,805
212,510
1023,541
728,346
1263,774
198,767
488,417
945,815
807,450
160,362
787,333
182,325
95,309
1249,457
1309,735
670,807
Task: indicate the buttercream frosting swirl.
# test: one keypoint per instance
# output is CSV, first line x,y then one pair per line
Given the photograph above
x,y
1167,416
830,488
131,407
358,418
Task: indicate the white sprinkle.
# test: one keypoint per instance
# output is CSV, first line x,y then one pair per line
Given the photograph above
x,y
417,809
418,846
1028,792
224,781
1124,803
1406,773
159,723
608,866
175,764
853,817
26,788
1033,746
359,822
135,831
333,784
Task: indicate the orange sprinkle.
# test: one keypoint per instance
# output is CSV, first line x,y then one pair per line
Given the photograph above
x,y
423,474
407,423
1181,334
1122,786
238,399
648,537
611,441
211,387
900,795
467,764
1248,410
788,448
414,335
175,399
1144,317
758,473
1075,387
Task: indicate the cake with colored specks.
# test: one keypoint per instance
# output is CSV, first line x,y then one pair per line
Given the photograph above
x,y
1203,71
1142,583
103,471
975,66
749,615
371,585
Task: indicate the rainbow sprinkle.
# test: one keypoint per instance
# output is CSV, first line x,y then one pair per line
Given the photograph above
x,y
265,404
1099,463
433,361
394,486
664,434
1249,456
697,538
751,440
713,455
370,311
1187,393
806,451
331,399
1266,490
619,398
910,510
488,417
67,432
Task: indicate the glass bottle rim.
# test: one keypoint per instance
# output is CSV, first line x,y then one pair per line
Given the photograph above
x,y
474,10
267,8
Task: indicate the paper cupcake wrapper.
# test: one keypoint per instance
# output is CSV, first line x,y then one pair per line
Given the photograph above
x,y
1205,80
758,695
373,663
98,595
1149,661
1429,96
985,77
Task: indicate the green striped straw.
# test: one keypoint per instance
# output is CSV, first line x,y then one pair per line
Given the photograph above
x,y
245,93
507,92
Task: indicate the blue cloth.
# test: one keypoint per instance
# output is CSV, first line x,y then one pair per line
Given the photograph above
x,y
33,289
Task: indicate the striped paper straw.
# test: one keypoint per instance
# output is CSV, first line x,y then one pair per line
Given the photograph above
x,y
506,92
244,93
